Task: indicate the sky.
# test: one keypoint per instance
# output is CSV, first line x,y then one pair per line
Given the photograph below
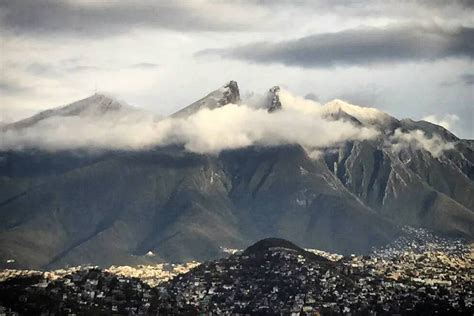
x,y
412,59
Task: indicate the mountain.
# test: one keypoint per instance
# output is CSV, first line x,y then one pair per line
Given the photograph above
x,y
71,207
268,244
339,109
229,93
97,105
116,207
273,99
437,191
265,279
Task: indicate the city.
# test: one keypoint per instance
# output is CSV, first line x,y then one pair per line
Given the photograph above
x,y
419,273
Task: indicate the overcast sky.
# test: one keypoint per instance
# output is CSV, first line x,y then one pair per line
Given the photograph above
x,y
411,59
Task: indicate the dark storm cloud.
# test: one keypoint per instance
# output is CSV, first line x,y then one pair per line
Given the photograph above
x,y
111,17
359,47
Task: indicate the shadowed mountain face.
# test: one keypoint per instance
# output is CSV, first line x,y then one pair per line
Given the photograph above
x,y
116,207
166,204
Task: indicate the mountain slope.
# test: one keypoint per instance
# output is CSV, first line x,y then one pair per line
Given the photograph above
x,y
229,93
437,190
70,207
180,206
94,106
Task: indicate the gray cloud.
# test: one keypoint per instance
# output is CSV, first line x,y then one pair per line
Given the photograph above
x,y
144,66
40,69
467,79
62,68
367,97
312,96
59,69
115,17
95,18
405,10
11,87
359,47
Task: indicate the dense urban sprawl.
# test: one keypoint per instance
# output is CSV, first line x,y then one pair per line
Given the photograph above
x,y
418,274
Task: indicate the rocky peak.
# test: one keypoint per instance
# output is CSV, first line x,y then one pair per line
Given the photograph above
x,y
93,106
229,93
232,93
273,99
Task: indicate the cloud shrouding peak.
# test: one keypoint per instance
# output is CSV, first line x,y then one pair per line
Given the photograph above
x,y
207,131
416,140
361,46
99,122
447,121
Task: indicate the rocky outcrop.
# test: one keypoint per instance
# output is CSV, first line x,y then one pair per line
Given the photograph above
x,y
227,94
273,100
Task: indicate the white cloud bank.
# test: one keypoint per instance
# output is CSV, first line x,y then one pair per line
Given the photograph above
x,y
447,121
417,140
300,121
207,131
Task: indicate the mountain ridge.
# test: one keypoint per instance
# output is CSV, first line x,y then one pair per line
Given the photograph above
x,y
92,106
113,207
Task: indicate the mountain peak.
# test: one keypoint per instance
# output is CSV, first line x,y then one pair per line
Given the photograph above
x,y
270,243
273,99
365,115
228,93
95,105
233,93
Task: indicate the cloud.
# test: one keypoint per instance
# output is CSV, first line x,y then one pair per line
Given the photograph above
x,y
207,131
59,69
467,79
99,18
361,46
11,86
366,97
144,66
312,96
447,121
417,140
62,68
370,7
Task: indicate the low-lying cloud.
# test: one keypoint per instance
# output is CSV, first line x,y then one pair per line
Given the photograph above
x,y
361,46
207,131
447,121
418,140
